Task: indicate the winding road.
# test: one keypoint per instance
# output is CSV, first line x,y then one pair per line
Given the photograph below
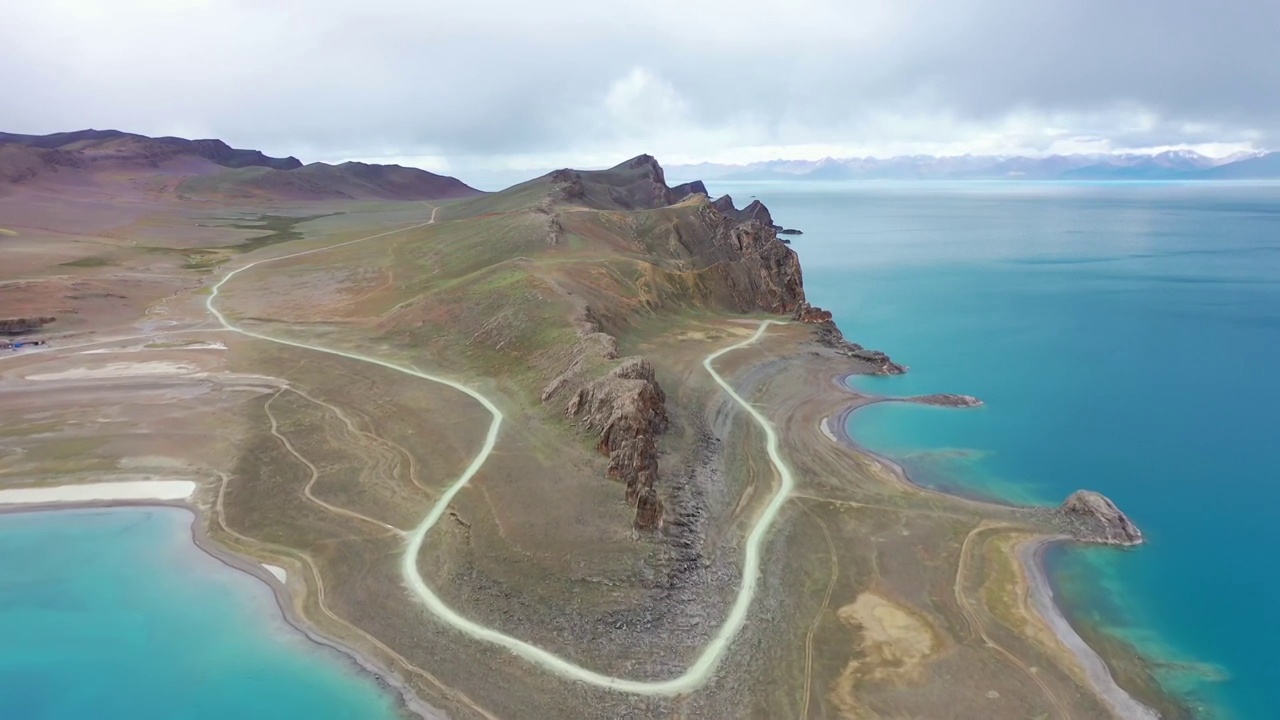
x,y
705,664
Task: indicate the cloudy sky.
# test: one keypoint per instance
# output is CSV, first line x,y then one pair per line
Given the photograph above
x,y
487,85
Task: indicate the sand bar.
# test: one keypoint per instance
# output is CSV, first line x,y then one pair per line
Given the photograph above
x,y
123,491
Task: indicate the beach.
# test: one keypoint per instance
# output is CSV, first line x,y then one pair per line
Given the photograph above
x,y
1030,557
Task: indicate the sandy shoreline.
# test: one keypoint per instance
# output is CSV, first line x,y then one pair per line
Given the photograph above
x,y
1030,556
123,491
176,494
1124,705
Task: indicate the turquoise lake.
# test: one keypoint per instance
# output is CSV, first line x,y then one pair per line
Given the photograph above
x,y
1125,338
116,614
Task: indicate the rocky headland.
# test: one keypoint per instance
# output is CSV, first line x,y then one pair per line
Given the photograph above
x,y
1092,517
723,258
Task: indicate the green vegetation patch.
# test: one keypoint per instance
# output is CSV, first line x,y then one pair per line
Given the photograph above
x,y
279,228
7,232
88,262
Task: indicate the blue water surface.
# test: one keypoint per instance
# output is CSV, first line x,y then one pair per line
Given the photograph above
x,y
116,614
1125,338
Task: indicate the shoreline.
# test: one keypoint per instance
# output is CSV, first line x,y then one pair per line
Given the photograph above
x,y
838,425
408,701
1041,598
1029,558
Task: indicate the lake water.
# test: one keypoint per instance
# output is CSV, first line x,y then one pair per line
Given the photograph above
x,y
116,614
1126,339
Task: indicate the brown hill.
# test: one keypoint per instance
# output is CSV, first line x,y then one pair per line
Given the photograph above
x,y
321,181
114,146
212,168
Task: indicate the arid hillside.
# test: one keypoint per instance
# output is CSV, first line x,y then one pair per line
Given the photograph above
x,y
574,449
205,169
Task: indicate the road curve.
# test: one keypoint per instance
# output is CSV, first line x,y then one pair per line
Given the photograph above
x,y
702,668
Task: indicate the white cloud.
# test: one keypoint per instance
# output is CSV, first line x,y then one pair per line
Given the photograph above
x,y
512,84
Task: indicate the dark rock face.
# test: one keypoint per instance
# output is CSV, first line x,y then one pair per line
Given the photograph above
x,y
627,409
724,204
766,273
690,188
758,212
1093,517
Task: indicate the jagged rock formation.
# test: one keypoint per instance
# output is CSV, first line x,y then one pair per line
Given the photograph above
x,y
696,253
756,270
755,210
17,326
828,335
627,409
690,188
637,184
1092,517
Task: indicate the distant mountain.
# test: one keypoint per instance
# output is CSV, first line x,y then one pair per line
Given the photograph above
x,y
121,147
321,181
1253,168
1169,165
205,168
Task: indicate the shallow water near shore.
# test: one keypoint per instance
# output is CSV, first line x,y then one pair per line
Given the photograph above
x,y
1124,338
115,613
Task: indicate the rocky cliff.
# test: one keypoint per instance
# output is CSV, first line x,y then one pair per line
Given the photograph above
x,y
699,253
690,188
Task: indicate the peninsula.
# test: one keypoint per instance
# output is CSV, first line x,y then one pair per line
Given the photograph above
x,y
571,449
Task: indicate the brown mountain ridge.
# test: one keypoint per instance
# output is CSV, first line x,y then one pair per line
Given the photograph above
x,y
207,168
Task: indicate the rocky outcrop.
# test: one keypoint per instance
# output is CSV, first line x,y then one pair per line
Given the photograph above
x,y
626,409
766,273
1092,517
17,326
826,333
758,212
807,313
724,205
690,188
755,210
637,184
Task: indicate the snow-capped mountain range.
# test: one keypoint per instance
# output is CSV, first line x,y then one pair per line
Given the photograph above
x,y
1169,165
